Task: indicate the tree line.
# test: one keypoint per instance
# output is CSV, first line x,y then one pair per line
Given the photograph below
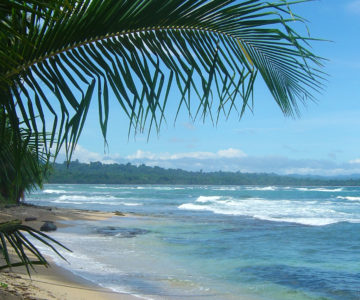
x,y
98,173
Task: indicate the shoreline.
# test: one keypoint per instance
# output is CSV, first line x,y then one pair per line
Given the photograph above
x,y
54,281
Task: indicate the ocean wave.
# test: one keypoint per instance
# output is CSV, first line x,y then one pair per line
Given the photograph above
x,y
313,213
204,199
67,202
302,221
265,188
86,198
191,206
225,189
350,198
48,191
109,188
165,188
130,203
119,187
103,200
327,190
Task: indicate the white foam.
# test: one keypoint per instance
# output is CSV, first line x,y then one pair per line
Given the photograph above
x,y
129,203
107,187
316,213
190,206
85,198
48,191
327,190
265,188
82,264
67,202
163,188
114,203
225,189
204,199
349,198
303,221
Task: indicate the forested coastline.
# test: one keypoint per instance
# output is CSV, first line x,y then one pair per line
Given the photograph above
x,y
98,173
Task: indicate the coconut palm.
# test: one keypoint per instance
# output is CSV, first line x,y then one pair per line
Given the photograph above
x,y
23,166
23,163
57,57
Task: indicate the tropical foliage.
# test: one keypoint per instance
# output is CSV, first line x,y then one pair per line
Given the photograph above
x,y
12,235
57,57
23,167
23,163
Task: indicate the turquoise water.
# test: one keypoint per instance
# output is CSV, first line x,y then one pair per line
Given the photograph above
x,y
215,242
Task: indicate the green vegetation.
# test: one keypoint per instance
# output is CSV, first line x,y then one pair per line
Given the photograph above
x,y
23,167
57,57
11,236
23,164
97,172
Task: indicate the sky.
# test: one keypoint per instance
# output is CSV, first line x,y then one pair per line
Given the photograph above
x,y
324,140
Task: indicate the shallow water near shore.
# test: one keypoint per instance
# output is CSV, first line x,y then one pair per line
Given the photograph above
x,y
214,242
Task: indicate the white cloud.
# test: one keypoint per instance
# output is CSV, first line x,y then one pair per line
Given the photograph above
x,y
231,153
86,156
227,153
139,154
231,159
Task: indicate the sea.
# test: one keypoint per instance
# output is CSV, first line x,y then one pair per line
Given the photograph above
x,y
213,242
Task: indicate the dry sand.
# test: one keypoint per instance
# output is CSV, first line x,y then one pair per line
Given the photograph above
x,y
53,282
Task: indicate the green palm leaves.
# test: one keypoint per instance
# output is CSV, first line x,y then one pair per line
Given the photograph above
x,y
62,55
56,57
23,161
12,235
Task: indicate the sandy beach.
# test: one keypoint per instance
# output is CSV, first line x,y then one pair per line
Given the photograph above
x,y
53,282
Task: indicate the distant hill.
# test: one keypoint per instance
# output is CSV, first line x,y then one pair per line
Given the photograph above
x,y
99,173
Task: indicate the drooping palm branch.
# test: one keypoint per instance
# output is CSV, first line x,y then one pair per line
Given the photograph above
x,y
12,236
56,57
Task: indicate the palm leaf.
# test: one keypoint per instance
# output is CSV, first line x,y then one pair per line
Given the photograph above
x,y
11,233
137,51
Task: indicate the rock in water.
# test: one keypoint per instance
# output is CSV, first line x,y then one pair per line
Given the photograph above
x,y
48,226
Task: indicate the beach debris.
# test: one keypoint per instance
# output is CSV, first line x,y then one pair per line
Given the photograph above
x,y
48,226
29,219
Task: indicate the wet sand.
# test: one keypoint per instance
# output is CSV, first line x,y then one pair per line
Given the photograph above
x,y
53,282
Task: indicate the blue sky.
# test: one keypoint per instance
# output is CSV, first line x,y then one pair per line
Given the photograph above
x,y
325,140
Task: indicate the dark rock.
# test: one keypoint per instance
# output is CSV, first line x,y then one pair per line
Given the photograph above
x,y
28,219
122,232
119,213
48,226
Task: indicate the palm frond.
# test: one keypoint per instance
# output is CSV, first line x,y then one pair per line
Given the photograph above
x,y
211,52
11,233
